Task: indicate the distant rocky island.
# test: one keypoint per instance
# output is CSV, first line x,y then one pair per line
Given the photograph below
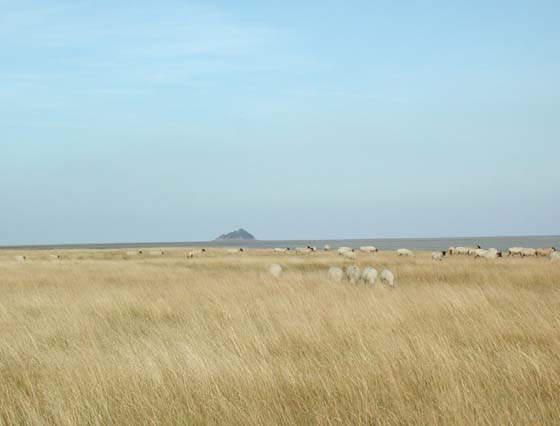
x,y
240,234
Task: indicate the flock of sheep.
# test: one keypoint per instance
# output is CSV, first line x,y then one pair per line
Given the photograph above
x,y
368,275
475,251
352,273
492,253
348,252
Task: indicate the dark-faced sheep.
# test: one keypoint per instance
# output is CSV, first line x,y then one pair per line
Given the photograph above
x,y
544,252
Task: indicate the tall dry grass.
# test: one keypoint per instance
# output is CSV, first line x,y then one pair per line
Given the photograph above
x,y
100,339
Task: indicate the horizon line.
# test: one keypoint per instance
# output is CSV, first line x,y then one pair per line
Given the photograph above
x,y
108,245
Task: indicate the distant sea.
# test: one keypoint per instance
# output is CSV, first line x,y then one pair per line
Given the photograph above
x,y
500,243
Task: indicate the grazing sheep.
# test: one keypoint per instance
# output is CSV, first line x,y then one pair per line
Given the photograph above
x,y
156,253
404,252
544,252
461,250
451,250
326,247
480,253
528,252
349,255
492,254
368,249
235,250
515,251
369,275
438,255
554,256
303,250
20,258
275,270
353,273
387,277
133,253
54,256
196,253
280,250
344,249
312,248
335,274
466,249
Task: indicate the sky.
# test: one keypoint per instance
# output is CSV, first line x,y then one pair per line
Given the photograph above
x,y
147,121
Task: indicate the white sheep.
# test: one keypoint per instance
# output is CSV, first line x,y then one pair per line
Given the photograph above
x,y
451,250
54,256
234,250
303,250
387,277
544,252
404,252
466,250
353,273
472,250
438,255
368,249
369,275
156,253
528,252
480,253
349,255
280,250
492,254
133,253
326,247
275,270
461,250
515,251
335,274
20,258
343,250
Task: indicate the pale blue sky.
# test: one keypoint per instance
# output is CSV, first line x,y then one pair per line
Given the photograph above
x,y
178,120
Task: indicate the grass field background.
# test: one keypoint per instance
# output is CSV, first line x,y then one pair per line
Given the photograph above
x,y
101,338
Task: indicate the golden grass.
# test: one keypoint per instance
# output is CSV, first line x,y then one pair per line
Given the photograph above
x,y
101,339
